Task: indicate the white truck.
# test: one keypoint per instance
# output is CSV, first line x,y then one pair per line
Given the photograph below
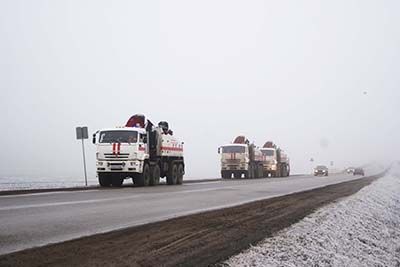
x,y
139,151
275,161
240,159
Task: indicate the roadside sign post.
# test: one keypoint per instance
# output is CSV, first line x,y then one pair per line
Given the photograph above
x,y
82,134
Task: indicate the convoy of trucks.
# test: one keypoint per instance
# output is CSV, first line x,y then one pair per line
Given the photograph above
x,y
242,158
140,151
146,153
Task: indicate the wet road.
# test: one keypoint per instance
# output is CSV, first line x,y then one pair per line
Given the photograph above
x,y
38,219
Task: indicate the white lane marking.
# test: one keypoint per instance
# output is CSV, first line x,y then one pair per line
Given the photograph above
x,y
103,199
48,193
200,183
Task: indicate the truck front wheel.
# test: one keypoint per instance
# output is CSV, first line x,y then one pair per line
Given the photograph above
x,y
104,180
226,174
155,175
143,179
117,180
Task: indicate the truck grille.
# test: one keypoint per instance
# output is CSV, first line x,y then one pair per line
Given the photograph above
x,y
116,156
232,161
118,166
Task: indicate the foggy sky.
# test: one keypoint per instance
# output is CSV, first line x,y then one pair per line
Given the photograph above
x,y
294,72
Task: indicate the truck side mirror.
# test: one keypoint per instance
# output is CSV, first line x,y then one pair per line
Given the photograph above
x,y
219,150
94,139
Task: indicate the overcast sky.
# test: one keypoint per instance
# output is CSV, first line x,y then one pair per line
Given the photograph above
x,y
294,72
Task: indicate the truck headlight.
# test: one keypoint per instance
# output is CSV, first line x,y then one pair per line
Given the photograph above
x,y
100,163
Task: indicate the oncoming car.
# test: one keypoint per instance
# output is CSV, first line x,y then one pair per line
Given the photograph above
x,y
358,171
321,170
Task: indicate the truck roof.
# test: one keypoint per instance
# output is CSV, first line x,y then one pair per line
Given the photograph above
x,y
235,145
140,130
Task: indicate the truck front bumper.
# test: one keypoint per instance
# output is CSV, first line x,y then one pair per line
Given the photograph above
x,y
269,167
120,166
230,167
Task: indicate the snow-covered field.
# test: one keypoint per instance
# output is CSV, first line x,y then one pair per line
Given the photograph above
x,y
24,183
360,230
21,183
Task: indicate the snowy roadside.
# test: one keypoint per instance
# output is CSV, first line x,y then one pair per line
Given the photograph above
x,y
361,230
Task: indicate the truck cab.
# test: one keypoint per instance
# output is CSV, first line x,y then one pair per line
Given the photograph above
x,y
234,160
269,161
121,149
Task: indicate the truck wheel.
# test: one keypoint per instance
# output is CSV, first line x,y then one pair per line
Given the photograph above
x,y
117,181
260,172
104,180
172,174
226,175
143,179
179,178
155,175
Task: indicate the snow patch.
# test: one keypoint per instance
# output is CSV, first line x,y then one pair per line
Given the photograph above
x,y
360,230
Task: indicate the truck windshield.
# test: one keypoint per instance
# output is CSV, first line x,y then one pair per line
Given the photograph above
x,y
118,137
233,149
268,152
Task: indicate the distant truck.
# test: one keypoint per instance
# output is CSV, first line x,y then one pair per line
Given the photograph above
x,y
240,159
140,151
275,161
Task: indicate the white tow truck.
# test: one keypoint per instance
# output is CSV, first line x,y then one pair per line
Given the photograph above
x,y
140,151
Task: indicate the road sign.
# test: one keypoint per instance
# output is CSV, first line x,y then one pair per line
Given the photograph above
x,y
82,134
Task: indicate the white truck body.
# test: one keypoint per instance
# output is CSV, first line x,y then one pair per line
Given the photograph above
x,y
235,157
238,160
269,160
275,161
140,154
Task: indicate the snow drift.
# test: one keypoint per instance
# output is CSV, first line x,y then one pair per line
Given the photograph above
x,y
361,230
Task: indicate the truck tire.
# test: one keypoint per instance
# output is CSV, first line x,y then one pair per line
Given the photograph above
x,y
143,179
117,180
226,175
155,175
179,178
104,180
172,174
260,171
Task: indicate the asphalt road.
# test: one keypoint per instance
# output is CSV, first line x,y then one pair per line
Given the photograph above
x,y
37,219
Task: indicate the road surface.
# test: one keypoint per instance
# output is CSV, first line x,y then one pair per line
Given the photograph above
x,y
38,219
